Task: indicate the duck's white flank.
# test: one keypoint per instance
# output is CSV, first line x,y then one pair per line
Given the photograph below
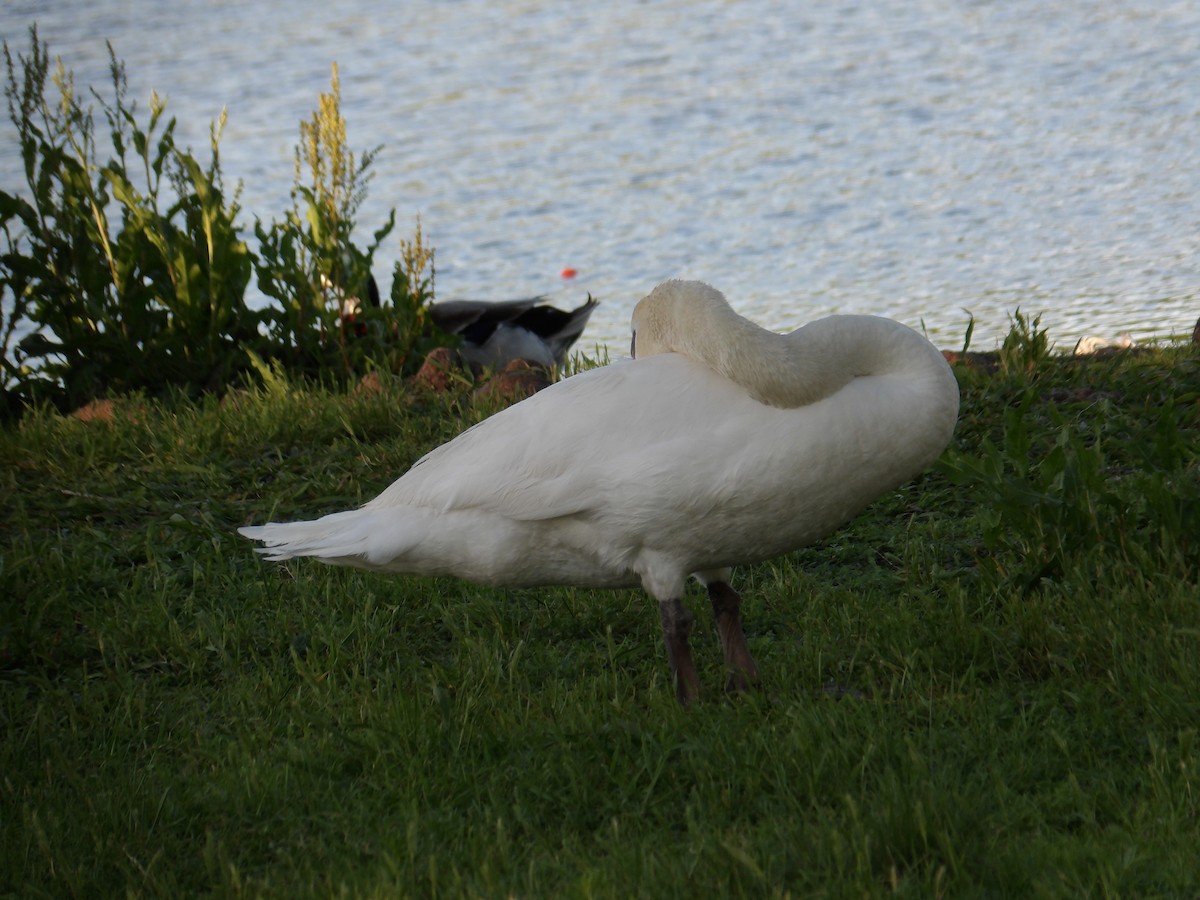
x,y
494,334
720,444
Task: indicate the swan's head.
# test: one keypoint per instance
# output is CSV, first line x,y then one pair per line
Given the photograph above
x,y
694,320
669,318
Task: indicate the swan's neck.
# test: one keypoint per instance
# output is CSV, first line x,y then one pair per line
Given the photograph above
x,y
792,370
784,370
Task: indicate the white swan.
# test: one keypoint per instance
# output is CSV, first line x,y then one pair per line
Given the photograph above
x,y
719,444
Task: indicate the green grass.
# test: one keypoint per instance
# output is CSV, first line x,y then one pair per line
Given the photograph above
x,y
988,686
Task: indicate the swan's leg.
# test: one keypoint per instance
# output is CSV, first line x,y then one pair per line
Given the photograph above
x,y
677,625
727,604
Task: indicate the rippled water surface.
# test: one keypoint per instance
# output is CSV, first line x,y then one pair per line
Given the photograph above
x,y
914,159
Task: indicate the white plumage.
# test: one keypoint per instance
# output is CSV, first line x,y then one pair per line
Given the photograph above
x,y
719,444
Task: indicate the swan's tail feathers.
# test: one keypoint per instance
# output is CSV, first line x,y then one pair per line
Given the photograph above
x,y
352,538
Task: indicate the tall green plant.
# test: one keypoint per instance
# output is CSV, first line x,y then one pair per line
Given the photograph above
x,y
16,297
413,290
310,263
1026,347
131,272
329,315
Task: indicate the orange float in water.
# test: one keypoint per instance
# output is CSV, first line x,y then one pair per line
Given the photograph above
x,y
568,273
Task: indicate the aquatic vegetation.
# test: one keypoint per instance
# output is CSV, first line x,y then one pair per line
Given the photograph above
x,y
329,314
132,270
125,267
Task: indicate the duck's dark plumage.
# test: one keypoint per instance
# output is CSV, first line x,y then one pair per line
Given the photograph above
x,y
495,333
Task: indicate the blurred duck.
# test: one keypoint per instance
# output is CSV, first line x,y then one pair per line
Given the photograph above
x,y
494,334
1091,344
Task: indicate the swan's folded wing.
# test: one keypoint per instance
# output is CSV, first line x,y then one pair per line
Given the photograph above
x,y
568,449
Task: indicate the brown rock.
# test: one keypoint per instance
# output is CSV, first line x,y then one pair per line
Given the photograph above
x,y
516,381
95,411
108,411
438,371
371,385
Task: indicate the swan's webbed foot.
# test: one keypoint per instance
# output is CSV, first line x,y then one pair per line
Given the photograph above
x,y
726,605
677,625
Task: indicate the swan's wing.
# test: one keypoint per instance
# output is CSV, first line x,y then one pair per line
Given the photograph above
x,y
567,449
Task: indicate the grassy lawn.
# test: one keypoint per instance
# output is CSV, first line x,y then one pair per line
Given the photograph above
x,y
989,685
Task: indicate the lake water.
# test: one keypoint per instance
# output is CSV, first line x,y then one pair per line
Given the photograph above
x,y
911,158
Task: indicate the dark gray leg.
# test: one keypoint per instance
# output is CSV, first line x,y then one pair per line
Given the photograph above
x,y
727,604
677,625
